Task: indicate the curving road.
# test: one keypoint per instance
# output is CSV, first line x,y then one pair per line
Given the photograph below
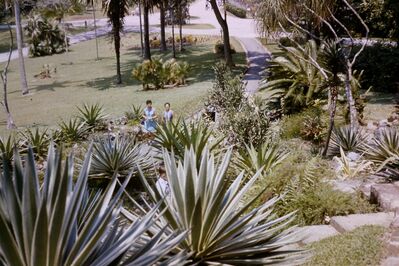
x,y
242,29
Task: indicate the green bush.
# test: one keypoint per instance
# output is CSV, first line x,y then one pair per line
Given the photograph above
x,y
155,74
44,37
219,48
381,67
236,11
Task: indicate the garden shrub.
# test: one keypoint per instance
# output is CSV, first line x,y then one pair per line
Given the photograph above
x,y
44,37
380,64
219,48
155,74
236,11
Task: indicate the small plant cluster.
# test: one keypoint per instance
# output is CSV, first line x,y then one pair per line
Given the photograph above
x,y
219,48
156,74
235,10
44,37
155,42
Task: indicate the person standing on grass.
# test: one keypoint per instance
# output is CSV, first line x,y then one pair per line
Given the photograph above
x,y
150,125
168,113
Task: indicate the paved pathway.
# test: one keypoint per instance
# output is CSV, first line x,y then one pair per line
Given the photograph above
x,y
243,29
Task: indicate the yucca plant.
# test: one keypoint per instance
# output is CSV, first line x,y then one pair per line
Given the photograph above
x,y
46,224
38,140
121,155
384,146
265,157
348,139
73,130
350,170
221,230
7,149
92,115
179,136
135,114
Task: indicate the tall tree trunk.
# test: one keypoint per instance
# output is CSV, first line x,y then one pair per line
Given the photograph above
x,y
354,123
147,51
10,121
117,42
20,44
226,36
172,12
163,25
181,28
95,30
333,108
141,31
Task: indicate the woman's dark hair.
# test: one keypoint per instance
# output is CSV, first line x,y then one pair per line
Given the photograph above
x,y
148,102
166,104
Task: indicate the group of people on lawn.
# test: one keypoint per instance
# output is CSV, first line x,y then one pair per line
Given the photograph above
x,y
150,117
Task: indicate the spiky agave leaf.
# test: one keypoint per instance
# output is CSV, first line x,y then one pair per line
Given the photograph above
x,y
91,114
73,130
121,155
40,225
220,229
384,146
7,149
348,139
38,140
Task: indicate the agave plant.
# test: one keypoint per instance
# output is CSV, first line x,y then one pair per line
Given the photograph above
x,y
295,78
91,114
348,139
221,229
384,146
7,148
350,170
265,157
122,155
38,140
74,130
135,114
178,136
57,223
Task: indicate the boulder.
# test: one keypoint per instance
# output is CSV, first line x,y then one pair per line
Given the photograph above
x,y
348,223
315,233
386,196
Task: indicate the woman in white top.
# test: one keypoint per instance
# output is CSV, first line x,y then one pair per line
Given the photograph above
x,y
168,113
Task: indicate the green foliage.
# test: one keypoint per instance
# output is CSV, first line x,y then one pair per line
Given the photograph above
x,y
135,114
362,246
59,223
120,156
219,48
314,127
235,10
37,140
178,136
348,139
380,64
265,157
44,37
73,130
7,149
155,74
295,78
203,202
92,115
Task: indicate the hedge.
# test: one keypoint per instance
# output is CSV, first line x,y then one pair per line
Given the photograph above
x,y
236,11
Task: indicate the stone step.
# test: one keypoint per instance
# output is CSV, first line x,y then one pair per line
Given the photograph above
x,y
386,196
316,233
390,261
348,223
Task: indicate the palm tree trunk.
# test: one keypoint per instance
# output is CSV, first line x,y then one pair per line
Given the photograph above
x,y
181,28
22,71
173,33
95,30
226,36
163,25
354,123
141,30
117,42
10,121
147,51
333,108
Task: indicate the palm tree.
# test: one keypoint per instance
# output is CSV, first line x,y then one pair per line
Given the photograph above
x,y
226,36
20,44
147,7
163,6
116,11
333,60
92,4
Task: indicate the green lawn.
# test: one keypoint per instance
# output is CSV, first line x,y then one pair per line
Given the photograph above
x,y
194,26
79,79
5,40
363,246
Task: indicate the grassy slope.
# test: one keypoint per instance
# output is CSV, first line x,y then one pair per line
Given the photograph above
x,y
81,79
363,246
5,40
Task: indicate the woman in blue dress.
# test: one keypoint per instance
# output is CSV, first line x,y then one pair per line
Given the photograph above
x,y
150,124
